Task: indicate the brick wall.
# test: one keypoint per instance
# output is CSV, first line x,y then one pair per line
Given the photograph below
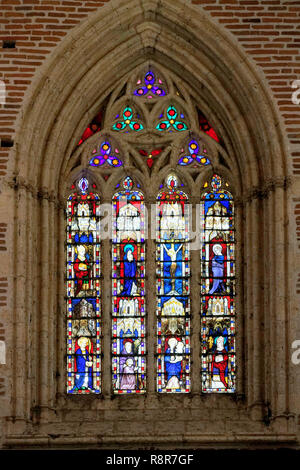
x,y
30,30
3,229
298,284
297,218
3,293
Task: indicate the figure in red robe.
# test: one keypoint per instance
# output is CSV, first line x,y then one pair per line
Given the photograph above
x,y
220,360
81,269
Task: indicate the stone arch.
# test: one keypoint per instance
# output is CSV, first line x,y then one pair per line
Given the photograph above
x,y
63,98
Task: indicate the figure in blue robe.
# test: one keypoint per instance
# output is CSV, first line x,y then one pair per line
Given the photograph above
x,y
172,368
173,359
83,372
130,268
217,266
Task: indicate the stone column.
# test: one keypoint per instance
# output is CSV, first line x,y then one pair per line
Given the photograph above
x,y
20,340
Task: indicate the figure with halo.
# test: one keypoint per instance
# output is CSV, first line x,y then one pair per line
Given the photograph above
x,y
130,271
217,266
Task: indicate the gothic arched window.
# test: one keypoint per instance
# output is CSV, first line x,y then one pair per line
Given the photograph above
x,y
150,147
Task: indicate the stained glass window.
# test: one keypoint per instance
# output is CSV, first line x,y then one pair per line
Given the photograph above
x,y
218,288
83,291
149,122
128,301
173,302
